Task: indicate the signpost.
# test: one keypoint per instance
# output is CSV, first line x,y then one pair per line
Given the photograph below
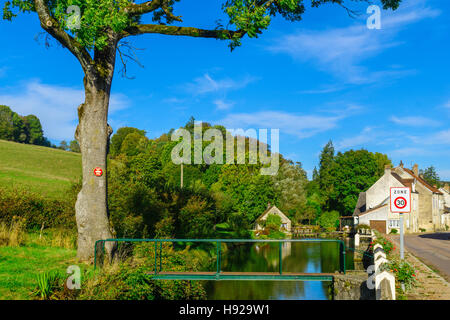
x,y
400,202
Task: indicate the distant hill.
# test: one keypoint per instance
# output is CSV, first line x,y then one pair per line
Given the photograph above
x,y
47,171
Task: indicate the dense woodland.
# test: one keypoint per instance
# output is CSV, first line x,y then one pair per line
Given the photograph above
x,y
146,198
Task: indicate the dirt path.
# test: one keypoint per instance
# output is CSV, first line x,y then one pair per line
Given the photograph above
x,y
430,286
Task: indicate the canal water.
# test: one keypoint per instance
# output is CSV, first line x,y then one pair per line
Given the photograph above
x,y
308,257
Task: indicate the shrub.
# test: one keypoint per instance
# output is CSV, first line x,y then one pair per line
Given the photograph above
x,y
422,230
403,272
329,220
363,226
393,231
12,235
48,282
37,210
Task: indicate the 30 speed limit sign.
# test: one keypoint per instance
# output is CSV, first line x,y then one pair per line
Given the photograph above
x,y
400,199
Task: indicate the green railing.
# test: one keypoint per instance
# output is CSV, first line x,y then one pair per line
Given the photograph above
x,y
342,254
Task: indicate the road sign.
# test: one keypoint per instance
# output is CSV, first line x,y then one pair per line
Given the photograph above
x,y
400,199
98,172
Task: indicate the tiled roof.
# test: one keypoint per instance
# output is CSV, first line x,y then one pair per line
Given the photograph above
x,y
422,181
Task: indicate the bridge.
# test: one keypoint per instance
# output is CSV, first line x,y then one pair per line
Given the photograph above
x,y
158,274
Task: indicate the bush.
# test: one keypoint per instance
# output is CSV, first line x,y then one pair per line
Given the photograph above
x,y
37,210
363,226
133,279
403,272
393,231
422,230
329,220
386,244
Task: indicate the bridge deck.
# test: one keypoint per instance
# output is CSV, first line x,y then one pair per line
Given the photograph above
x,y
169,275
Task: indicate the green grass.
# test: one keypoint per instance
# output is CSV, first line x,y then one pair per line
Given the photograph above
x,y
47,171
19,267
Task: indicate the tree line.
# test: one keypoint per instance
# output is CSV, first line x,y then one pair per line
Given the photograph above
x,y
28,129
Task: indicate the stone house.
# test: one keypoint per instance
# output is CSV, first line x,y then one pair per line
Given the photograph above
x,y
286,224
427,203
446,216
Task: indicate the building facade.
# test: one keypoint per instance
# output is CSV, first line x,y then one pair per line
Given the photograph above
x,y
427,203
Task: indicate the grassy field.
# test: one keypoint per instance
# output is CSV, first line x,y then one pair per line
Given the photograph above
x,y
47,171
19,267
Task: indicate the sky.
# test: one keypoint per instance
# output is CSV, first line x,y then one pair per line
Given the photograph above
x,y
327,77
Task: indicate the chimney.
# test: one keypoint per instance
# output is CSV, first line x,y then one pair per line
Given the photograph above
x,y
401,163
416,169
268,205
387,169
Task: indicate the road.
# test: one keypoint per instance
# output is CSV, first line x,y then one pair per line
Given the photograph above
x,y
432,248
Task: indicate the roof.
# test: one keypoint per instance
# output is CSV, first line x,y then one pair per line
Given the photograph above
x,y
361,204
422,181
270,208
381,205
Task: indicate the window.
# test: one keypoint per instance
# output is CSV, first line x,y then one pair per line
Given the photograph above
x,y
394,224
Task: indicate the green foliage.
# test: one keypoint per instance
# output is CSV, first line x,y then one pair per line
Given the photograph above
x,y
47,283
118,138
100,16
404,273
14,127
393,231
431,176
36,209
329,220
387,245
354,172
74,146
273,222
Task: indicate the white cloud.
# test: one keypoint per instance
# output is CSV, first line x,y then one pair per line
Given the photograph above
x,y
301,126
55,106
367,135
206,84
223,105
342,51
415,121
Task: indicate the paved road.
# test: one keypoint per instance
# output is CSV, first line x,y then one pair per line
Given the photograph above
x,y
432,248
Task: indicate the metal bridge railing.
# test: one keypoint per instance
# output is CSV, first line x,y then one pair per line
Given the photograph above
x,y
342,248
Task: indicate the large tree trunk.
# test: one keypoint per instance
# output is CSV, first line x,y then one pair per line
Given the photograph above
x,y
92,203
93,133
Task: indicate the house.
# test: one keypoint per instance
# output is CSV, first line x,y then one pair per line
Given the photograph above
x,y
427,202
286,223
446,216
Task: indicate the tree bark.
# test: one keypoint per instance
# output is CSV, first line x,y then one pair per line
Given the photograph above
x,y
92,134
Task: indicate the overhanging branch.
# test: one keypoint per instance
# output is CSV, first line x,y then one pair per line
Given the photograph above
x,y
51,25
181,31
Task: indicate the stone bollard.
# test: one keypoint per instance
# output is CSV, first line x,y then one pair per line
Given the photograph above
x,y
357,240
385,286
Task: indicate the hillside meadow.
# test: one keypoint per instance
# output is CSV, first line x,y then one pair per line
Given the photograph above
x,y
49,172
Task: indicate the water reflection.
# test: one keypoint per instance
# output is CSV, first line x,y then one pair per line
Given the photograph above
x,y
308,257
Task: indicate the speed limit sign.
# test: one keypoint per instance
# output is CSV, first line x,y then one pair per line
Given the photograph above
x,y
400,199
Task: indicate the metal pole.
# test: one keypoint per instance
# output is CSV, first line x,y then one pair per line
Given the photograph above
x,y
402,240
156,256
281,258
218,257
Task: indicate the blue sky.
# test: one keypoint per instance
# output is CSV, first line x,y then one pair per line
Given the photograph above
x,y
325,77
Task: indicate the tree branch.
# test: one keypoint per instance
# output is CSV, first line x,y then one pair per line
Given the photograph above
x,y
181,31
51,25
146,7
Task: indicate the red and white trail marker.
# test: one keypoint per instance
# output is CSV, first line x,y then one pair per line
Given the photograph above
x,y
400,199
98,172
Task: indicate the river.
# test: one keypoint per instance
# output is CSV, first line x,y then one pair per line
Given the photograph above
x,y
312,257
